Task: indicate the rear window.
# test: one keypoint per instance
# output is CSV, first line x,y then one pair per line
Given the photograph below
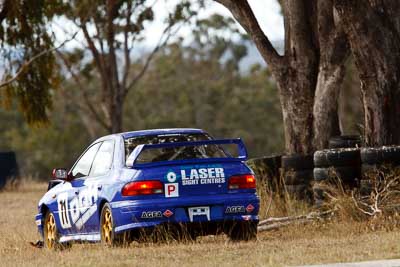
x,y
181,153
131,143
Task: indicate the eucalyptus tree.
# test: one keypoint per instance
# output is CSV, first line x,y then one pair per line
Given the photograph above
x,y
373,30
310,72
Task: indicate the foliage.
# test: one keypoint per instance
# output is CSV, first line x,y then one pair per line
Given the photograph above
x,y
23,34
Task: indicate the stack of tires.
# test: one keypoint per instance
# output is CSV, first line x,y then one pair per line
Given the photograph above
x,y
376,164
266,170
339,165
8,168
297,173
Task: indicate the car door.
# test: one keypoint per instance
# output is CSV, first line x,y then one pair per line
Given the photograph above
x,y
74,202
96,184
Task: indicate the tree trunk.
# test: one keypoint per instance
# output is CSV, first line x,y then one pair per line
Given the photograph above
x,y
372,28
334,51
311,40
326,120
116,117
296,96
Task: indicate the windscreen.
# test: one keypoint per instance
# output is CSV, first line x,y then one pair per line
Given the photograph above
x,y
133,142
181,153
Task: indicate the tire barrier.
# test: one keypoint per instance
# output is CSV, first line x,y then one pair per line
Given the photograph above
x,y
381,155
266,170
297,173
337,157
377,162
345,141
335,166
8,168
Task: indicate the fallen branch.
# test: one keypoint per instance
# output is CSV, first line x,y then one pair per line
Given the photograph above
x,y
275,226
276,223
312,216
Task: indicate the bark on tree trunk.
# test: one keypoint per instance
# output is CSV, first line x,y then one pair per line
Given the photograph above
x,y
116,111
326,120
296,95
372,28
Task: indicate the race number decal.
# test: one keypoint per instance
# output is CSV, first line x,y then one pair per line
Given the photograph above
x,y
171,190
62,201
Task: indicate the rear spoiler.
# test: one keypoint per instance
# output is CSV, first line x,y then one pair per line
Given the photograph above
x,y
131,161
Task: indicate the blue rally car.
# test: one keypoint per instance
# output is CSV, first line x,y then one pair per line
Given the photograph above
x,y
127,184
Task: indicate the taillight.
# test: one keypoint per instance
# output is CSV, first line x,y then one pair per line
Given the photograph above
x,y
246,181
142,188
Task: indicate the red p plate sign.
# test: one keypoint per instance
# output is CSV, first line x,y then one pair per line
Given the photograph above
x,y
171,190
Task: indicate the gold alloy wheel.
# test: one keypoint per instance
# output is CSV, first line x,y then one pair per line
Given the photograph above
x,y
107,227
51,231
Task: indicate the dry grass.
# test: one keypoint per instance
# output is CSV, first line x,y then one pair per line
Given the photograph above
x,y
320,242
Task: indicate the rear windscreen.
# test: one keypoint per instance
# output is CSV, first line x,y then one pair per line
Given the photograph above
x,y
181,153
133,142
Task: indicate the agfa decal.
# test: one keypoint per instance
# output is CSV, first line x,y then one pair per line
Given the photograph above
x,y
235,209
151,214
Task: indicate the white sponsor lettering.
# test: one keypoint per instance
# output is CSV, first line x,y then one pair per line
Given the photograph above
x,y
79,209
203,176
62,202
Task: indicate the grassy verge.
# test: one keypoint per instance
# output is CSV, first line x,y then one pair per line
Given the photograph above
x,y
337,240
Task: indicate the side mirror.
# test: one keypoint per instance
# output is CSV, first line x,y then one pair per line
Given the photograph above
x,y
60,174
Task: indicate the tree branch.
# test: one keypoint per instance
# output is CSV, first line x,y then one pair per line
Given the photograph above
x,y
166,35
242,12
97,58
31,60
86,99
127,50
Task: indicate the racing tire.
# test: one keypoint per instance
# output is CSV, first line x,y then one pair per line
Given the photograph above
x,y
345,141
51,236
243,231
298,177
297,162
107,228
381,155
345,173
337,157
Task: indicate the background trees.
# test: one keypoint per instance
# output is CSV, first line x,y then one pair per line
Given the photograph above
x,y
309,73
201,84
112,30
107,85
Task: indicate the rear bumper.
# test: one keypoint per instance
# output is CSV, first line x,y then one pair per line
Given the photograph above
x,y
131,214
